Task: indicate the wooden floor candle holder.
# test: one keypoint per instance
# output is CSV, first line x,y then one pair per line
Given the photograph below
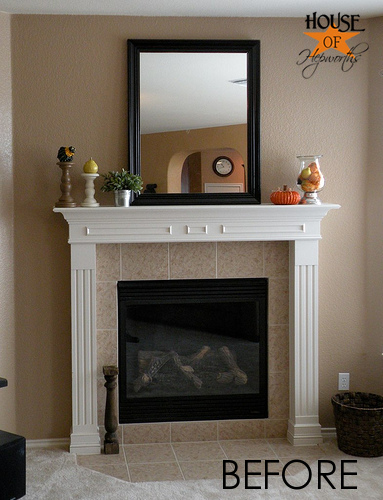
x,y
66,200
111,445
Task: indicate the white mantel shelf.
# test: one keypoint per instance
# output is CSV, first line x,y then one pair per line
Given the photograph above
x,y
298,224
194,223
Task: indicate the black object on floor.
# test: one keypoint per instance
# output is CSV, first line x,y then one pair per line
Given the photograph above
x,y
12,466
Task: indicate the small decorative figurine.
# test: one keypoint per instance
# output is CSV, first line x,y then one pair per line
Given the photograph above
x,y
65,157
65,153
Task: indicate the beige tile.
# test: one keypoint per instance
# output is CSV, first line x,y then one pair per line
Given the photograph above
x,y
192,260
203,469
278,348
144,261
330,446
284,449
117,471
278,395
106,349
186,452
276,428
276,259
241,429
193,431
294,463
146,433
148,453
253,468
106,305
108,262
90,461
247,448
243,259
155,472
278,301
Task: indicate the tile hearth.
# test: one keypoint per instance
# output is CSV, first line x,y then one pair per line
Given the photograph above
x,y
203,460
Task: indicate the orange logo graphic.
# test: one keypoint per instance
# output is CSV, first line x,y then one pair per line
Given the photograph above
x,y
332,39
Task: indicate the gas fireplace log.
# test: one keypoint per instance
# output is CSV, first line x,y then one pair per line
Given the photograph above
x,y
240,377
151,362
155,366
225,377
198,356
187,370
145,358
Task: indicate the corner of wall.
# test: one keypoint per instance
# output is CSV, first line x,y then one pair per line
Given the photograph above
x,y
7,329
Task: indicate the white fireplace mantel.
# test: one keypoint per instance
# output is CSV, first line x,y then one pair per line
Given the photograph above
x,y
298,224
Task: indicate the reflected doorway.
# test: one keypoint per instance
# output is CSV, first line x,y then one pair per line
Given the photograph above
x,y
193,172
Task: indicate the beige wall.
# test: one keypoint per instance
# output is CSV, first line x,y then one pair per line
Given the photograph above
x,y
7,327
69,88
374,208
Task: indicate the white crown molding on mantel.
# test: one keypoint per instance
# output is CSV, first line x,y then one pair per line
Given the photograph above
x,y
298,224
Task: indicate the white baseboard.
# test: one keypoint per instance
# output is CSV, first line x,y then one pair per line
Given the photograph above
x,y
47,443
328,432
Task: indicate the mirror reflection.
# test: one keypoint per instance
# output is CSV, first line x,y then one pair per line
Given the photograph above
x,y
193,110
194,120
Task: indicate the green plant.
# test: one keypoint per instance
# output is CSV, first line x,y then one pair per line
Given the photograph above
x,y
117,181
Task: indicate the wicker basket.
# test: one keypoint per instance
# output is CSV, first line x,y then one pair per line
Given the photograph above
x,y
359,423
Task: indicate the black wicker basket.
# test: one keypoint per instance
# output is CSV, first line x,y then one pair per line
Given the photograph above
x,y
359,423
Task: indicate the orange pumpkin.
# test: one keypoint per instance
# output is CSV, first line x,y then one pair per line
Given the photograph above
x,y
285,197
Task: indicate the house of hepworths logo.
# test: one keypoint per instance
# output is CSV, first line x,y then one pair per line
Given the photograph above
x,y
337,32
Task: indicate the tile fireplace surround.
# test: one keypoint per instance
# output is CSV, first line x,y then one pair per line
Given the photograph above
x,y
299,225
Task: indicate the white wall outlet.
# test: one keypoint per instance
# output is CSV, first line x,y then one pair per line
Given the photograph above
x,y
344,382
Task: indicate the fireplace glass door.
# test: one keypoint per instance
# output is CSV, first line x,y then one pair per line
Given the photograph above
x,y
192,350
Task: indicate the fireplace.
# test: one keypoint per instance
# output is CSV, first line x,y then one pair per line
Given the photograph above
x,y
171,226
192,349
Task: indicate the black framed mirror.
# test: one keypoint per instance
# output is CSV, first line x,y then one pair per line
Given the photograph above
x,y
178,129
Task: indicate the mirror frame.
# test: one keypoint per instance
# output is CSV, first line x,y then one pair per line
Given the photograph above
x,y
252,49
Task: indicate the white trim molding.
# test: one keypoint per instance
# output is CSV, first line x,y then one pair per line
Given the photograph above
x,y
32,444
298,224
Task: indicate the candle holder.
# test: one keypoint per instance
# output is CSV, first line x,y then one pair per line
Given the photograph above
x,y
89,190
66,200
111,444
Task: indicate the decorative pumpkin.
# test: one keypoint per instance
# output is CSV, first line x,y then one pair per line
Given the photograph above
x,y
285,196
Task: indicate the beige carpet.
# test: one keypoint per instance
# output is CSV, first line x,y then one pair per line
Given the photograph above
x,y
54,475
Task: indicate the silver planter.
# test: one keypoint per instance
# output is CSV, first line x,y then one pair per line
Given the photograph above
x,y
122,198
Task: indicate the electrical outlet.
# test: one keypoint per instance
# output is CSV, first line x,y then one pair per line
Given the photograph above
x,y
344,381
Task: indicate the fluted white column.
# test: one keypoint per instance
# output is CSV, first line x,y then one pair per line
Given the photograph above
x,y
85,437
304,427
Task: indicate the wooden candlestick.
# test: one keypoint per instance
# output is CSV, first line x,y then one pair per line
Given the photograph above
x,y
66,199
111,446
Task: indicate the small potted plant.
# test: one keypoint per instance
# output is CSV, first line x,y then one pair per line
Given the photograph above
x,y
122,183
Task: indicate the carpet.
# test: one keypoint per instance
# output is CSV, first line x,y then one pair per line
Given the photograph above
x,y
52,474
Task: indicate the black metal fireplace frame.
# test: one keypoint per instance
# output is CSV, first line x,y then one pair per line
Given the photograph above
x,y
186,408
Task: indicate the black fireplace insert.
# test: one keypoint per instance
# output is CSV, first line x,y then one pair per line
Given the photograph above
x,y
192,349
